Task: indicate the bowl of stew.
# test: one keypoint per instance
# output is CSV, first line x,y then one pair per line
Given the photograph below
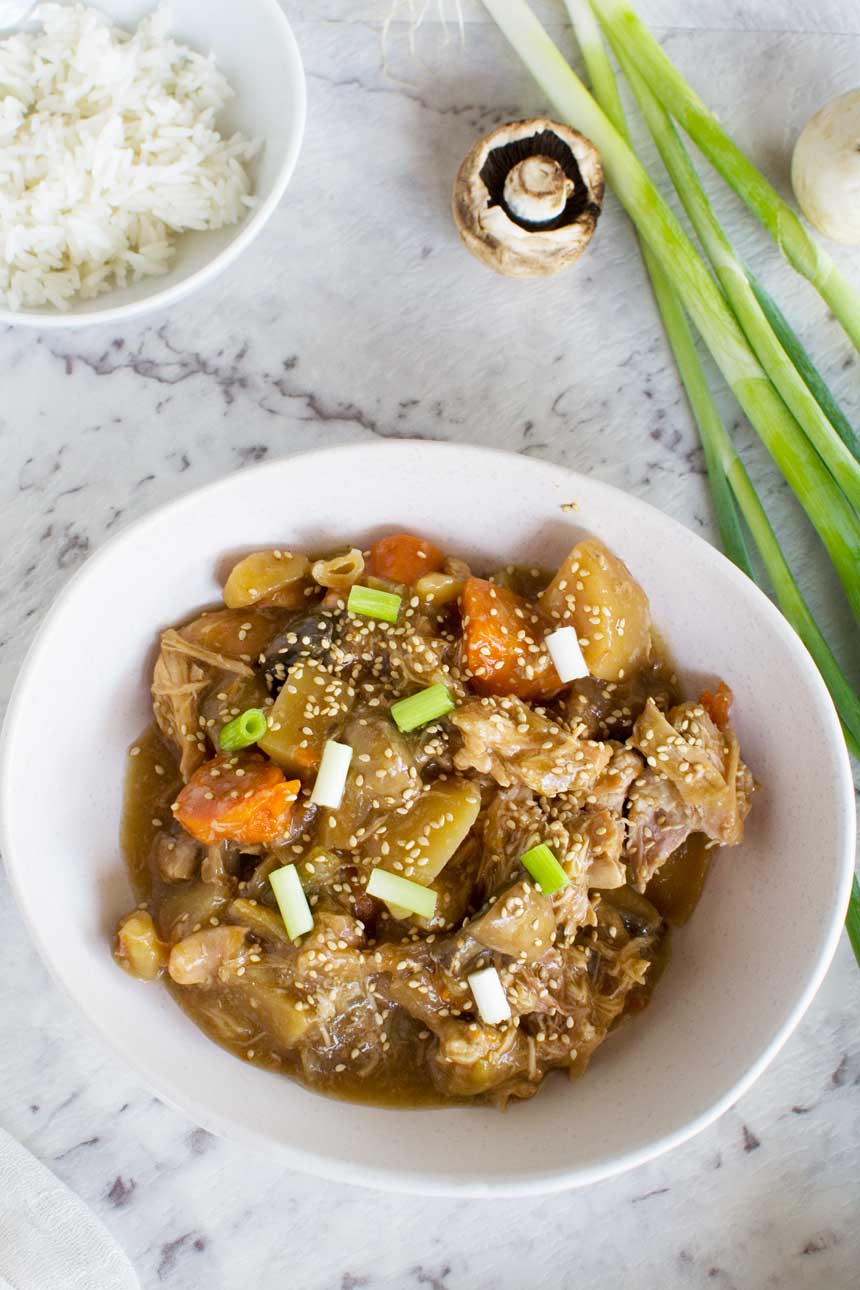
x,y
423,784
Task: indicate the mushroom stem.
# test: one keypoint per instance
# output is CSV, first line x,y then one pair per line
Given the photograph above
x,y
537,190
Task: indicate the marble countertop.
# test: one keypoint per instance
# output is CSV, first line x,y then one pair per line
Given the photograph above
x,y
358,314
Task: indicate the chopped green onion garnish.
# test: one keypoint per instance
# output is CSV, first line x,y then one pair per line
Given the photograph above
x,y
489,995
545,869
422,707
410,896
243,730
331,777
292,901
374,604
566,654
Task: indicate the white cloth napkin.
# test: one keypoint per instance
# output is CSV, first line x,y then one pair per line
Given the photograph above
x,y
49,1239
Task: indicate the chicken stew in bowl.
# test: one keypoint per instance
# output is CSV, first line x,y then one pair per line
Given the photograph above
x,y
414,835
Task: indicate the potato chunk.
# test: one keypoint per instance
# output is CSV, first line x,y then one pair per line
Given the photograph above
x,y
421,842
268,578
595,593
519,923
309,710
138,948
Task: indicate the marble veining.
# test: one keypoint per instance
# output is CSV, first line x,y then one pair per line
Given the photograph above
x,y
357,314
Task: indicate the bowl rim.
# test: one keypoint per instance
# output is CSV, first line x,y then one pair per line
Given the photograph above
x,y
248,228
406,1180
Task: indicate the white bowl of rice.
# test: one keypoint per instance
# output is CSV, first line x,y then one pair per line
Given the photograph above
x,y
142,147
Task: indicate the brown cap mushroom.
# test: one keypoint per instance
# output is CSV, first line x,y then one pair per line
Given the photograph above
x,y
527,197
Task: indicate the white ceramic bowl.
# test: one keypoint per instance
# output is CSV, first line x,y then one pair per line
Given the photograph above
x,y
742,971
255,48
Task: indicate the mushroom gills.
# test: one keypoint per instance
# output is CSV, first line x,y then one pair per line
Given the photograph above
x,y
515,162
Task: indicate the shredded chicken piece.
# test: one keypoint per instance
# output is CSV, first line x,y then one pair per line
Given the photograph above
x,y
223,662
601,833
658,822
425,660
695,783
183,673
611,789
505,738
374,651
512,823
572,908
688,749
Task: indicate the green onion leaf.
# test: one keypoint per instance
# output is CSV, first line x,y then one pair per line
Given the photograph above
x,y
782,222
243,730
545,869
786,379
793,346
852,918
373,604
292,901
718,450
422,707
397,891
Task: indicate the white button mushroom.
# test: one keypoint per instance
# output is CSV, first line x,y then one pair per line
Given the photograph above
x,y
527,197
825,169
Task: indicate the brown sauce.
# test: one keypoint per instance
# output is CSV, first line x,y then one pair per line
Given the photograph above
x,y
677,886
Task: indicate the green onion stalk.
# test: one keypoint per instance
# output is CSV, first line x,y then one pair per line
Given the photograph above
x,y
605,89
825,504
781,222
796,394
730,484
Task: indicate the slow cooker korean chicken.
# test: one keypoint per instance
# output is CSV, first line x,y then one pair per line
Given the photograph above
x,y
412,833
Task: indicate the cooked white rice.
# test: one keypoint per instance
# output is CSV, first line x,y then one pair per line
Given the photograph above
x,y
108,148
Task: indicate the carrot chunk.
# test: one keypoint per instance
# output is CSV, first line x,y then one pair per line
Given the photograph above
x,y
718,705
404,558
237,797
503,638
